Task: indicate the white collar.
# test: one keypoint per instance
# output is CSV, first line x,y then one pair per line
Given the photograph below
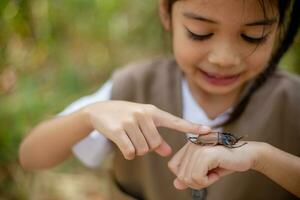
x,y
194,113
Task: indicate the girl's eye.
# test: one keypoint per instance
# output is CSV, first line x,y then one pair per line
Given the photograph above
x,y
194,36
254,40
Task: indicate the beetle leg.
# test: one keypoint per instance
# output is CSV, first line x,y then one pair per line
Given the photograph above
x,y
239,145
193,140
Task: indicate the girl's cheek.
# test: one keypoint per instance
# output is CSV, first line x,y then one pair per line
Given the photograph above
x,y
183,53
259,59
258,64
253,72
191,52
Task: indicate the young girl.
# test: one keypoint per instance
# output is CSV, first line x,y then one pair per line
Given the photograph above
x,y
224,75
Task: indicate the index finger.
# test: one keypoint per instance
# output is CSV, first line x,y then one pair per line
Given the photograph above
x,y
165,119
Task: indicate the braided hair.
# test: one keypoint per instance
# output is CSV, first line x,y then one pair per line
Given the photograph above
x,y
289,21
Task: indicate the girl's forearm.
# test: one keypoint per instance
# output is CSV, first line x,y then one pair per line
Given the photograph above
x,y
283,168
50,142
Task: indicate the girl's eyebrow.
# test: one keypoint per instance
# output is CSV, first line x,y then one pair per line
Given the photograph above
x,y
199,17
261,22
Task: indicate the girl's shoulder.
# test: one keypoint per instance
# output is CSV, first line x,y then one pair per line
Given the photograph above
x,y
284,75
148,73
143,79
281,90
147,67
284,85
286,80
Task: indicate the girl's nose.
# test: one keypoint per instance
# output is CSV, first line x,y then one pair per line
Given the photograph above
x,y
225,56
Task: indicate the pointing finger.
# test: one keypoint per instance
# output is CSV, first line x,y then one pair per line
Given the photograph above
x,y
165,119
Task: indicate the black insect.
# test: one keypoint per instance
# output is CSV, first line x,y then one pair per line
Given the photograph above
x,y
217,138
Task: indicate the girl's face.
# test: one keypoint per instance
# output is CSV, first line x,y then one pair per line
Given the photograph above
x,y
222,44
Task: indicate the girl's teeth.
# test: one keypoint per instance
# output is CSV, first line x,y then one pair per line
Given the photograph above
x,y
213,76
220,77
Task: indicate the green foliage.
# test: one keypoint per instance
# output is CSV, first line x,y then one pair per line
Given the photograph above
x,y
52,52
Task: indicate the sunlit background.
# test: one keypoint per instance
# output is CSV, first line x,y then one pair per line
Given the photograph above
x,y
51,53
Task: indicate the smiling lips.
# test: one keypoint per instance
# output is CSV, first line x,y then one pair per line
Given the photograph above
x,y
219,80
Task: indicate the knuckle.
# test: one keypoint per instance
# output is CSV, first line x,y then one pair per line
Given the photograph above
x,y
196,178
171,166
138,113
128,123
156,142
129,157
188,181
117,130
129,152
151,108
142,151
181,178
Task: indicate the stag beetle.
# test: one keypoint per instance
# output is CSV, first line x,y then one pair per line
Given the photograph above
x,y
217,138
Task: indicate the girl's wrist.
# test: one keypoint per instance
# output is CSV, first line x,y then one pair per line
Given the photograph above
x,y
86,118
262,153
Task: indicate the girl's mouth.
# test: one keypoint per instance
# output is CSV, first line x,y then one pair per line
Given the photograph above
x,y
219,80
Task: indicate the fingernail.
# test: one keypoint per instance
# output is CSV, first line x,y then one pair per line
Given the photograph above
x,y
205,129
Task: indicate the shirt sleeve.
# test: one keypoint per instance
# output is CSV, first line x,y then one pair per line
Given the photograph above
x,y
103,94
92,149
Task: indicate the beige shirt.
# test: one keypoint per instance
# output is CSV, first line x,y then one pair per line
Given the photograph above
x,y
272,116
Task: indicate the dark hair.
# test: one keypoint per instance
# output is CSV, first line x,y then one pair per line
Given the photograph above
x,y
289,21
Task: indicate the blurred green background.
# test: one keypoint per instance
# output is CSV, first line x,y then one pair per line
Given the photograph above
x,y
51,53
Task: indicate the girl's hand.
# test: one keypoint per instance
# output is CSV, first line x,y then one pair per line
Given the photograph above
x,y
133,127
198,166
